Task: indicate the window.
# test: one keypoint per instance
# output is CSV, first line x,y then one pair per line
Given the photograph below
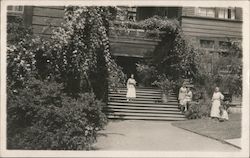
x,y
226,13
132,13
15,9
208,12
231,13
207,44
223,13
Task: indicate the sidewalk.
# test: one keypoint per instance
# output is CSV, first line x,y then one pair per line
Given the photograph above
x,y
154,135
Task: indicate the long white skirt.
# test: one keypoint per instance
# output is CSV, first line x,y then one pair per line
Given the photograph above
x,y
215,110
131,93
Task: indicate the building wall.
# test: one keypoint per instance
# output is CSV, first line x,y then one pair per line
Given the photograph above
x,y
192,11
198,28
211,27
188,11
45,18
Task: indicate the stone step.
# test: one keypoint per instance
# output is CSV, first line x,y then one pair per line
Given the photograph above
x,y
141,94
142,89
141,99
142,111
137,91
155,108
146,106
145,114
146,118
151,105
124,100
136,99
137,96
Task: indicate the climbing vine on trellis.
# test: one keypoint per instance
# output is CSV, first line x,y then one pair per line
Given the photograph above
x,y
81,51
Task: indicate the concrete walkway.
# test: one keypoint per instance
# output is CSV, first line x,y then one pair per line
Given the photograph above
x,y
154,135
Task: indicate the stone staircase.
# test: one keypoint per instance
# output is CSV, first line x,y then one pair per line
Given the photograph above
x,y
146,106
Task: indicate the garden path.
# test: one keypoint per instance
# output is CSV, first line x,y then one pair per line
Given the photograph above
x,y
154,136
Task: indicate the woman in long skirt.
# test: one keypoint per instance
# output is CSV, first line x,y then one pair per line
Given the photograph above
x,y
216,103
182,95
131,92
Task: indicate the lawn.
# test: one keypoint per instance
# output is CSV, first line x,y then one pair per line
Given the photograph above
x,y
215,129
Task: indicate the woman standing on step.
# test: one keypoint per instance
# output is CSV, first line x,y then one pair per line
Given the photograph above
x,y
131,93
216,103
182,95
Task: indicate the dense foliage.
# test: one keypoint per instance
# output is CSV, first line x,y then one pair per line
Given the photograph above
x,y
21,49
80,51
53,84
176,59
226,70
41,116
174,56
200,107
147,73
226,73
154,23
164,83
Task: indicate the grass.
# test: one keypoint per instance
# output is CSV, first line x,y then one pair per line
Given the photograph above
x,y
219,130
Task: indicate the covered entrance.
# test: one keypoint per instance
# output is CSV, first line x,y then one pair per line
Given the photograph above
x,y
128,65
131,48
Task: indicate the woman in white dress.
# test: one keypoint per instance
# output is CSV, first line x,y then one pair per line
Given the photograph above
x,y
131,92
182,95
187,99
216,103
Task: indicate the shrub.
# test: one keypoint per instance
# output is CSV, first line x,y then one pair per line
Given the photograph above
x,y
146,73
198,109
174,56
164,83
80,51
155,23
201,106
20,53
41,116
117,78
226,71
